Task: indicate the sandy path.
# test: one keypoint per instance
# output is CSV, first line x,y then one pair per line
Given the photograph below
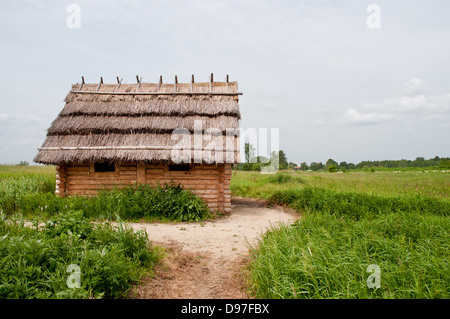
x,y
204,260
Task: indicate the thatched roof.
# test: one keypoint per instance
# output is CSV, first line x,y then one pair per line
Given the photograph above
x,y
136,122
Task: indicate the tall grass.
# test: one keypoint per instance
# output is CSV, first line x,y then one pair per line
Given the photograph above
x,y
34,261
326,256
31,193
424,183
343,229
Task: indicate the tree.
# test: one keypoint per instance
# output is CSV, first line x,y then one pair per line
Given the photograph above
x,y
331,162
249,151
343,165
291,165
282,160
304,166
332,168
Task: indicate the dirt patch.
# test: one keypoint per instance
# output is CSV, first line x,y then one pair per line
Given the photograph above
x,y
204,260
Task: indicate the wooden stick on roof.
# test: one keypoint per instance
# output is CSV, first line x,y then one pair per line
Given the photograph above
x,y
226,81
139,81
175,84
192,83
118,83
82,82
211,80
100,83
160,82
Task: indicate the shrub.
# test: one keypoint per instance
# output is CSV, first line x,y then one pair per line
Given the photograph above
x,y
33,263
332,168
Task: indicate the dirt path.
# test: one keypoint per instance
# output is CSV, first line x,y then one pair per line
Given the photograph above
x,y
204,260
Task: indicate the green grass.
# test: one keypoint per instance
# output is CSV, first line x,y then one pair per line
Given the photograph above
x,y
30,192
398,221
425,183
34,261
326,256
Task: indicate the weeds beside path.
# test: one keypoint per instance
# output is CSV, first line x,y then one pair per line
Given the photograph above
x,y
204,260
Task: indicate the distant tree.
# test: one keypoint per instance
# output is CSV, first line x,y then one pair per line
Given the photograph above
x,y
351,166
331,162
283,161
24,163
249,151
304,166
332,168
291,165
343,165
444,163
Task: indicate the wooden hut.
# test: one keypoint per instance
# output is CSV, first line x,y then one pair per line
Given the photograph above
x,y
118,134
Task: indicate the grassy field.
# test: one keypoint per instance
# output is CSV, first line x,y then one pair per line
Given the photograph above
x,y
63,235
398,221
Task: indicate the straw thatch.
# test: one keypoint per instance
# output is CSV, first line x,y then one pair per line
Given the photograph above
x,y
135,122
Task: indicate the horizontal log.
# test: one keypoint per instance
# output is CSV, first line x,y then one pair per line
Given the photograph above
x,y
178,177
100,181
206,172
208,196
155,171
206,191
153,166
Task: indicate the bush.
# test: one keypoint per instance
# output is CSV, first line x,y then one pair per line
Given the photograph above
x,y
332,168
34,263
167,201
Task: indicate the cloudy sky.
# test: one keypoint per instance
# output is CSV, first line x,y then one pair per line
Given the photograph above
x,y
340,79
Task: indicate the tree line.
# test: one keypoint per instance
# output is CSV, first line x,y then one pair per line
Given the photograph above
x,y
254,162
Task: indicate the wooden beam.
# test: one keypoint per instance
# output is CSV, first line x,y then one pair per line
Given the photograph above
x,y
100,83
118,83
139,81
211,80
158,93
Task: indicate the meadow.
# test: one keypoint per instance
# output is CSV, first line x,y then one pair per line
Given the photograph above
x,y
396,220
45,239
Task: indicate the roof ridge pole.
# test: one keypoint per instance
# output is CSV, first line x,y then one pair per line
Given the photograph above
x,y
175,84
160,82
226,81
192,83
100,83
211,80
118,83
139,81
82,82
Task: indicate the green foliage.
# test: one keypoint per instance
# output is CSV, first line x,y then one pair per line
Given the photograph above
x,y
399,221
326,256
34,195
34,262
167,201
357,206
332,168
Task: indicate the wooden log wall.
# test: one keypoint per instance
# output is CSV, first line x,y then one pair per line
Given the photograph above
x,y
210,182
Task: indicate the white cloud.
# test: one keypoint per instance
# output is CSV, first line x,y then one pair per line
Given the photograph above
x,y
415,86
353,116
414,104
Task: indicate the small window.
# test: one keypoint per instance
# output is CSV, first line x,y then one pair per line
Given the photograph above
x,y
104,167
179,168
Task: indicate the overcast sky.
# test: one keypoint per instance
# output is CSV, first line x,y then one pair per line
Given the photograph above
x,y
335,86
